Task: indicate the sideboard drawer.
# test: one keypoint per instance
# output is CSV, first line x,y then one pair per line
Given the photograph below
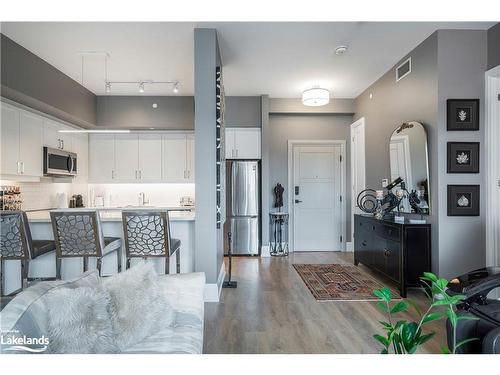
x,y
388,231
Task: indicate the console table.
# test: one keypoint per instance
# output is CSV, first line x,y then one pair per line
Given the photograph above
x,y
402,252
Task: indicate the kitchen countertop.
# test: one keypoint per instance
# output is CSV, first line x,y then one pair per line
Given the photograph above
x,y
110,214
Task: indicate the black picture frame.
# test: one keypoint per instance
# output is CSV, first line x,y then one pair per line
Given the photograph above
x,y
462,114
463,200
463,157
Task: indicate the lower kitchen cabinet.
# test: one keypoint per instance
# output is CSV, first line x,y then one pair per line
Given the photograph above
x,y
401,252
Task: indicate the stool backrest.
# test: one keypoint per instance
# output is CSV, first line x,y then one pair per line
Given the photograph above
x,y
77,233
12,237
147,233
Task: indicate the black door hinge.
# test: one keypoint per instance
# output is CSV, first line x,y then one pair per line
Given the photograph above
x,y
341,158
340,238
341,198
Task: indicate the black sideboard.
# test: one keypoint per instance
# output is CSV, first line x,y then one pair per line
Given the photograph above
x,y
402,252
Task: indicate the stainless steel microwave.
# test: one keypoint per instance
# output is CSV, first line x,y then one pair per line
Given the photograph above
x,y
59,162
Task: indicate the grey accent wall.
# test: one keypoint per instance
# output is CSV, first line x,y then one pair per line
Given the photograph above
x,y
448,64
31,81
462,61
243,111
494,46
173,112
294,105
207,257
414,98
303,127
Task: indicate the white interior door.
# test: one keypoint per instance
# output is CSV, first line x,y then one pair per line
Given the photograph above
x,y
317,210
358,162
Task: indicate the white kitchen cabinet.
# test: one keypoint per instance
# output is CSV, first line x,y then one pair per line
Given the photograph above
x,y
21,144
10,140
53,138
190,157
150,157
243,143
126,157
30,144
80,145
174,157
102,157
230,143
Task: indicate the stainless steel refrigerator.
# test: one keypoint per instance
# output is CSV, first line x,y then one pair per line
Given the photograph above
x,y
242,207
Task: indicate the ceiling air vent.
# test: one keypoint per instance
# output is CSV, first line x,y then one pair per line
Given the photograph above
x,y
403,70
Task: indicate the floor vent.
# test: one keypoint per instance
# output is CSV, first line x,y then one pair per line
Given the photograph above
x,y
403,70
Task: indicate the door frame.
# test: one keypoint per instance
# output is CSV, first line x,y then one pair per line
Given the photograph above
x,y
299,142
362,155
492,153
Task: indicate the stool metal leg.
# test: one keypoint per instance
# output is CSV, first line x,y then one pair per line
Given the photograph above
x,y
119,260
24,273
99,263
178,261
58,268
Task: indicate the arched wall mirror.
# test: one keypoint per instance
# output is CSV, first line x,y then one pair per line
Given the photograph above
x,y
410,160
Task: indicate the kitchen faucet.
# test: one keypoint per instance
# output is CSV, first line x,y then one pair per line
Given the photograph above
x,y
142,199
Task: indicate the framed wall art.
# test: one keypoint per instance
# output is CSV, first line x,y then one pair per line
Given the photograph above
x,y
463,157
462,114
463,200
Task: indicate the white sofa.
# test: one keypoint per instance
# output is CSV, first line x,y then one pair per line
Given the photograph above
x,y
26,315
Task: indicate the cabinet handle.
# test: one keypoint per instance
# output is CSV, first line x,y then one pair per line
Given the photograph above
x,y
136,174
22,167
62,141
363,243
387,252
140,174
18,167
112,174
189,174
236,152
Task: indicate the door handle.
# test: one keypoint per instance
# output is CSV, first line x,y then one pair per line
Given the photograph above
x,y
298,201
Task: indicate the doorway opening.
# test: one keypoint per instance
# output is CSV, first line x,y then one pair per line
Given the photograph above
x,y
358,173
316,195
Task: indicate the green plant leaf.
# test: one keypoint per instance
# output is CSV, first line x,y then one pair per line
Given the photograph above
x,y
382,306
383,340
467,317
415,307
463,342
456,299
452,316
441,283
384,294
424,338
408,334
399,306
432,316
384,351
440,302
445,350
429,276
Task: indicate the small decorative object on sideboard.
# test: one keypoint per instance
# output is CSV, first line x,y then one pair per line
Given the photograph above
x,y
463,157
463,200
462,114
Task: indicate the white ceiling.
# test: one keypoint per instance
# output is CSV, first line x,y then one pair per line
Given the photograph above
x,y
279,59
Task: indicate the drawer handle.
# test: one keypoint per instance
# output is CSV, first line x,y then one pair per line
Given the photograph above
x,y
387,252
363,243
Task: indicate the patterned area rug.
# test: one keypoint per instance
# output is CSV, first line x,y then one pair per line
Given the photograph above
x,y
339,282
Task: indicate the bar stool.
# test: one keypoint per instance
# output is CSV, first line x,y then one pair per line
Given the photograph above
x,y
16,243
147,234
78,233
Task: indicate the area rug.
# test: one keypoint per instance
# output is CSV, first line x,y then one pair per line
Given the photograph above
x,y
339,282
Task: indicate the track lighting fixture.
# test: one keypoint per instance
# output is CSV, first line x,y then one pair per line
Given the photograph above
x,y
108,87
141,87
176,88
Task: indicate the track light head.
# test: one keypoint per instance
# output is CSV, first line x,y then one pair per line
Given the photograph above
x,y
176,88
141,87
108,87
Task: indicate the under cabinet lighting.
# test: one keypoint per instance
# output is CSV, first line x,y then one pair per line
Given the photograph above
x,y
94,131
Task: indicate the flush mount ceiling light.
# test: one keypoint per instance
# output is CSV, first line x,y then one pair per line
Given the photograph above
x,y
315,97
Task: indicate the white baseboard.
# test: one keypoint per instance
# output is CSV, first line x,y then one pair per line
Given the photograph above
x,y
212,291
264,251
349,246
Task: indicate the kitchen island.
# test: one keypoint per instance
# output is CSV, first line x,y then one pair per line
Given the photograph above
x,y
181,227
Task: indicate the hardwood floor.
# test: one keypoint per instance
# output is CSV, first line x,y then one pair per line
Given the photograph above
x,y
272,311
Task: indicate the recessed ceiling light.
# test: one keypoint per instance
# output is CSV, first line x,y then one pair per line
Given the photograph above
x,y
340,50
155,105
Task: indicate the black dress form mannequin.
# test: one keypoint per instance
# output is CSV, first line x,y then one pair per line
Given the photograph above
x,y
278,196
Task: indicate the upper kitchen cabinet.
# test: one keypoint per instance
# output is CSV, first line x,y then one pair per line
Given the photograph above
x,y
150,157
243,143
102,158
21,134
53,138
178,157
80,143
126,157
